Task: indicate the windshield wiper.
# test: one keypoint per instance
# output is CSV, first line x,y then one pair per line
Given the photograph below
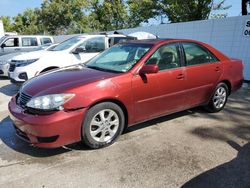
x,y
103,69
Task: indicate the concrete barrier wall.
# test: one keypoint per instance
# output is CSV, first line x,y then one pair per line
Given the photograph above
x,y
227,35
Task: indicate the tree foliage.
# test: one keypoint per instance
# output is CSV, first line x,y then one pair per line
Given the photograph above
x,y
79,16
141,11
59,16
27,22
108,15
182,11
7,22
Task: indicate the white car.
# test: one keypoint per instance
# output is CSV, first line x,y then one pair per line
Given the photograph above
x,y
75,50
6,59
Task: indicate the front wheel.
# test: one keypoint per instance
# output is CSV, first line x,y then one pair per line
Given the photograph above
x,y
219,98
103,124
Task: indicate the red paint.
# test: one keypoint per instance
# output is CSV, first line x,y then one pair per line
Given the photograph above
x,y
144,96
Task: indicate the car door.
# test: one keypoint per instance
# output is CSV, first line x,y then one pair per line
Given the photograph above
x,y
10,45
90,48
203,70
162,92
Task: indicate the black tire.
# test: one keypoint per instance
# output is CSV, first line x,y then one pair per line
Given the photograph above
x,y
93,112
212,107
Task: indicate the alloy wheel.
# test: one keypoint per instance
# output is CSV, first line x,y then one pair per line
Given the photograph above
x,y
219,97
104,125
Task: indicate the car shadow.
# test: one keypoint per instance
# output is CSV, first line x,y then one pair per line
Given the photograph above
x,y
9,138
235,173
9,90
4,78
162,119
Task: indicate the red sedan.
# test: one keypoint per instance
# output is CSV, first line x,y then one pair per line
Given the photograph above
x,y
126,84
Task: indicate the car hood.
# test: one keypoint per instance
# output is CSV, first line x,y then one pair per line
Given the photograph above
x,y
8,57
64,79
32,55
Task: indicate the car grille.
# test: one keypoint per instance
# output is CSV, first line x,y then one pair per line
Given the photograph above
x,y
23,99
12,67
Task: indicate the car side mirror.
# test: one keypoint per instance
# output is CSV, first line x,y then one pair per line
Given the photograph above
x,y
3,45
79,50
149,69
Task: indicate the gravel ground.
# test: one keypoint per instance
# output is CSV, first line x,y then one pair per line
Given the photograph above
x,y
190,149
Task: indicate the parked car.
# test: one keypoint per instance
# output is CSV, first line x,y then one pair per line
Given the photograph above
x,y
22,43
127,84
75,50
6,59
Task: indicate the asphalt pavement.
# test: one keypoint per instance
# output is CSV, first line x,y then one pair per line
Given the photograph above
x,y
192,148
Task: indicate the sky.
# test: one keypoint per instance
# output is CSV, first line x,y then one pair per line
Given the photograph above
x,y
13,7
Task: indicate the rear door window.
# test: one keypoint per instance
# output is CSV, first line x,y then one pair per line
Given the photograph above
x,y
29,41
116,40
45,41
196,54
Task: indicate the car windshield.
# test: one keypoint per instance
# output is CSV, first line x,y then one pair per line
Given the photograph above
x,y
2,39
119,58
67,44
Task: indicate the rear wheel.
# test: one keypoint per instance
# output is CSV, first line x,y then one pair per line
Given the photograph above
x,y
219,98
103,124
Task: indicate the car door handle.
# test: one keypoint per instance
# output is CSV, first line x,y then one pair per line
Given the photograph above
x,y
17,49
180,76
217,69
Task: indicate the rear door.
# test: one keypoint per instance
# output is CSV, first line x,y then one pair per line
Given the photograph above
x,y
163,92
29,44
203,70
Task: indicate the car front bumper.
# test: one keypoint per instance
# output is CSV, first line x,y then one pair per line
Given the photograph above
x,y
47,131
20,74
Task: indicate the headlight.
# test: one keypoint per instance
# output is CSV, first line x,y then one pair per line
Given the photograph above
x,y
25,62
50,102
3,62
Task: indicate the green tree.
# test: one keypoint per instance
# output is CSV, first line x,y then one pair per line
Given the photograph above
x,y
27,22
7,23
182,11
141,11
59,16
108,15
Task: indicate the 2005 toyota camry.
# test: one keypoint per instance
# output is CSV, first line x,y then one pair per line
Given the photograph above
x,y
126,84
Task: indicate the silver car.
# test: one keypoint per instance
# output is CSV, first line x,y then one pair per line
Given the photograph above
x,y
23,43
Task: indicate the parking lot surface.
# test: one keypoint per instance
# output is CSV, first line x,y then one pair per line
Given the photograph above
x,y
192,148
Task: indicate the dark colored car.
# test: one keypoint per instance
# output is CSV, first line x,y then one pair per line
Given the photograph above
x,y
126,84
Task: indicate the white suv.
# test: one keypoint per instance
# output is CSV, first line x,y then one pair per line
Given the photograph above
x,y
6,59
75,50
23,43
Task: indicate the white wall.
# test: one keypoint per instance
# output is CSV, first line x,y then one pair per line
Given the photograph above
x,y
1,29
224,34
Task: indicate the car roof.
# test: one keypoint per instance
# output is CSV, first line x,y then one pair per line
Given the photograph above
x,y
159,41
9,36
100,35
